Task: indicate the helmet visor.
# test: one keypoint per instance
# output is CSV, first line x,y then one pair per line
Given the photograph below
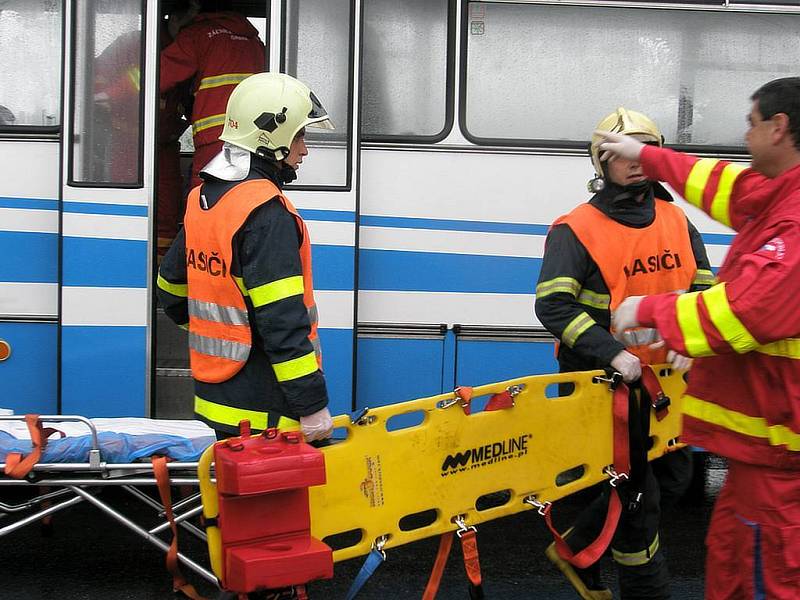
x,y
318,116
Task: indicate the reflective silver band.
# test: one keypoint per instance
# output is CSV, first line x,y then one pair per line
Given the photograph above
x,y
220,348
317,346
640,337
208,311
313,314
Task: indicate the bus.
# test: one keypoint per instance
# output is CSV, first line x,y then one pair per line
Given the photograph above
x,y
461,134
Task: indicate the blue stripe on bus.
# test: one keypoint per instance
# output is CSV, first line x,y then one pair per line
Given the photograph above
x,y
103,371
342,216
93,262
94,208
33,203
333,267
454,225
438,272
337,361
28,257
718,238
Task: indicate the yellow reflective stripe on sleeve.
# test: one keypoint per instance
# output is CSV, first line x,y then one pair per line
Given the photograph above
x,y
632,559
219,80
276,290
564,285
595,300
720,205
776,435
228,415
240,283
576,328
696,182
208,123
704,277
688,315
728,324
176,289
135,75
296,368
787,348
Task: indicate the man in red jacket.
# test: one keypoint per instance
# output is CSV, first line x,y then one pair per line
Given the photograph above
x,y
743,396
215,49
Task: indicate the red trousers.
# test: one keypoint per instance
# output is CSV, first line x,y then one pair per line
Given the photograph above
x,y
753,541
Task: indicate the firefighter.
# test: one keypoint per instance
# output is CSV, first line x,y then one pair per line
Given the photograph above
x,y
215,49
239,272
628,237
743,398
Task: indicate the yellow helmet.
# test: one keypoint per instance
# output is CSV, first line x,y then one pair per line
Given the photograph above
x,y
628,122
267,110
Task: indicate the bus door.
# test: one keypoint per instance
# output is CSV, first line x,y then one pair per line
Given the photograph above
x,y
319,44
30,120
107,189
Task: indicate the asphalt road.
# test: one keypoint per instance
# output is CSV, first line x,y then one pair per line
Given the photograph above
x,y
89,556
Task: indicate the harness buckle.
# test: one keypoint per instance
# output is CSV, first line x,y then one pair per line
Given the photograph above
x,y
360,417
379,543
613,379
456,399
615,477
541,507
462,525
660,402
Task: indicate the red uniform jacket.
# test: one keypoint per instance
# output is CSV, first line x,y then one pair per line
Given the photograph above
x,y
743,397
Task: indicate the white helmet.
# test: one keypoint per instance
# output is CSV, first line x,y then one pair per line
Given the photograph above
x,y
267,110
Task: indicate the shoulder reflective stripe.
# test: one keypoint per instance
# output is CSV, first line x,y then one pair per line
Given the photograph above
x,y
276,290
176,289
696,182
632,559
576,328
776,435
296,368
564,285
317,346
208,123
220,348
595,300
208,311
728,324
788,348
226,79
240,283
720,205
704,277
313,314
688,317
228,415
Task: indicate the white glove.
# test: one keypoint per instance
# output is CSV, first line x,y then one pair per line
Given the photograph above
x,y
625,316
619,145
317,426
628,365
679,362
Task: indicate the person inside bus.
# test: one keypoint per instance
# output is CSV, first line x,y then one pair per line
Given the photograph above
x,y
213,48
628,237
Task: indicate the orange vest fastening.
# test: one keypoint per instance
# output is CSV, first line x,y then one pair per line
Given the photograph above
x,y
656,259
220,336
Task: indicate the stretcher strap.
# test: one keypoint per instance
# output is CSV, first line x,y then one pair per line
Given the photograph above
x,y
179,583
622,464
657,397
496,402
445,543
472,564
18,467
374,560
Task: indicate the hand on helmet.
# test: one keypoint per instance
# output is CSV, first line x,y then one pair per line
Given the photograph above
x,y
618,145
317,426
627,365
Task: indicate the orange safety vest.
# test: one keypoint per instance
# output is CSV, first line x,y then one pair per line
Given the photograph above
x,y
220,336
656,259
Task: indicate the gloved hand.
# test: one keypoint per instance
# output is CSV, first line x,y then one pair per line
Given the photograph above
x,y
317,426
619,145
628,365
625,316
679,362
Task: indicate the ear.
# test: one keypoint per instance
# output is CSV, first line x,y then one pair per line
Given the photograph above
x,y
780,128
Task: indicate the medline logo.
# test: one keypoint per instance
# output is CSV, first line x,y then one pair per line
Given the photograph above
x,y
486,455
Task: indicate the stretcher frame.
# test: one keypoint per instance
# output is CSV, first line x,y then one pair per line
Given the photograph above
x,y
75,483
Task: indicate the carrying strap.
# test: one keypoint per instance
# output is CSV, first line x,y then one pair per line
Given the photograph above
x,y
375,559
445,543
18,467
622,464
499,401
659,401
472,564
179,583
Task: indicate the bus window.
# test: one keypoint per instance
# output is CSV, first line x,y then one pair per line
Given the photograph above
x,y
537,72
107,94
31,30
405,68
317,52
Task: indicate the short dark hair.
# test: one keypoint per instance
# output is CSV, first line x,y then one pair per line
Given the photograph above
x,y
781,96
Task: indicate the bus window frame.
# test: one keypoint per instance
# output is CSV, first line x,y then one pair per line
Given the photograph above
x,y
139,183
735,152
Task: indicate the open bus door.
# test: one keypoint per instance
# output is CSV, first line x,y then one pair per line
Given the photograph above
x,y
107,190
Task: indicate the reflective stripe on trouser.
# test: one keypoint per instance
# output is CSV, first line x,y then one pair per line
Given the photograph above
x,y
220,348
632,559
231,416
